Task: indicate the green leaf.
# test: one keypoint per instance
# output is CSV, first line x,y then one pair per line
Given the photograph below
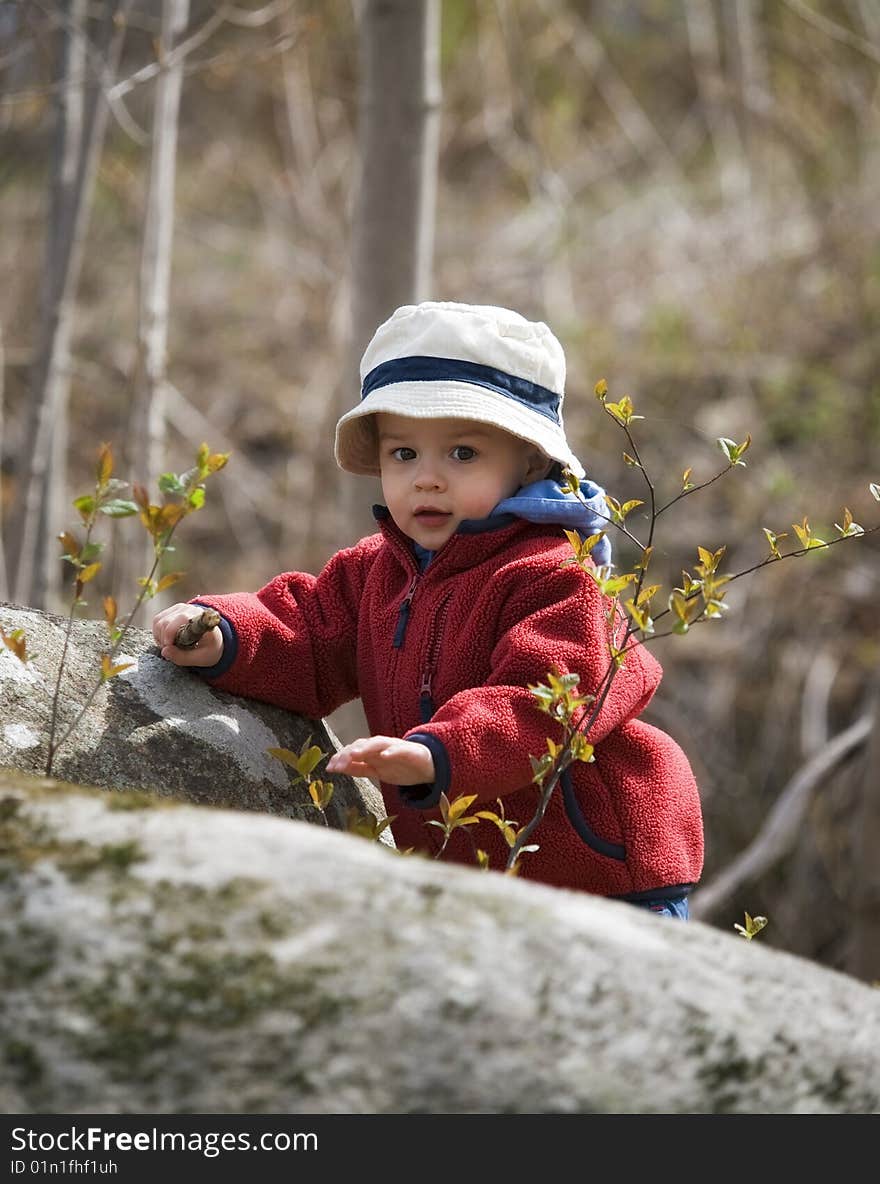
x,y
569,483
108,670
118,508
875,491
808,540
321,792
623,411
610,585
284,755
105,465
15,642
458,807
71,545
216,461
581,750
679,605
309,758
88,573
85,505
171,483
732,450
752,926
773,540
849,528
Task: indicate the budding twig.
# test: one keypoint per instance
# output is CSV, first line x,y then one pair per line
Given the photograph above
x,y
189,635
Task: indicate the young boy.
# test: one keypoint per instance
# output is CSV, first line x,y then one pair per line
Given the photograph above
x,y
442,619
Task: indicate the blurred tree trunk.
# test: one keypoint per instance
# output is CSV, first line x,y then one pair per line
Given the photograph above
x,y
145,437
713,87
85,71
865,956
393,219
4,585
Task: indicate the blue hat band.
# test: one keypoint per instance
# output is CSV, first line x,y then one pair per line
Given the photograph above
x,y
425,369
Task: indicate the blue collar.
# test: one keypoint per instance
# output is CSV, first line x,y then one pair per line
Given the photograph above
x,y
546,502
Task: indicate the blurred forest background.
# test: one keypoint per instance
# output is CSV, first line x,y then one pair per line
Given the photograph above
x,y
685,190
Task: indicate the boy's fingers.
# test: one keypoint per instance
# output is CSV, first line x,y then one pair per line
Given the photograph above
x,y
169,620
179,657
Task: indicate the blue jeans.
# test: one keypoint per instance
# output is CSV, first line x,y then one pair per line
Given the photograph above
x,y
665,908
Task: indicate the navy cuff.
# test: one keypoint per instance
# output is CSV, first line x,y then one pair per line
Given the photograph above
x,y
427,795
230,649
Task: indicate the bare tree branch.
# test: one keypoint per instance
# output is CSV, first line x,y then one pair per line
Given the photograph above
x,y
145,442
81,125
781,829
4,587
814,705
838,32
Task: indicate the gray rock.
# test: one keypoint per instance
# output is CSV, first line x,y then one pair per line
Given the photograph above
x,y
155,726
159,957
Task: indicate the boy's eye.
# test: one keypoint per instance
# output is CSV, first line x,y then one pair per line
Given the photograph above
x,y
463,452
403,453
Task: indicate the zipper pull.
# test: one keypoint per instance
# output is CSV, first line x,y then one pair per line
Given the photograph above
x,y
426,703
403,614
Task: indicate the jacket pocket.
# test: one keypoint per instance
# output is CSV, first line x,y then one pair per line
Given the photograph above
x,y
576,818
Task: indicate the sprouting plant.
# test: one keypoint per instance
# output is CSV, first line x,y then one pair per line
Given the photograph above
x,y
16,642
304,763
182,495
752,927
367,826
452,816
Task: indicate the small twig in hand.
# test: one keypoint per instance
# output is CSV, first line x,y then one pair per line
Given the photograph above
x,y
190,634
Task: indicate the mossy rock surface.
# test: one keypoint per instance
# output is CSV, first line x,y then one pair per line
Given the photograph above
x,y
155,726
163,957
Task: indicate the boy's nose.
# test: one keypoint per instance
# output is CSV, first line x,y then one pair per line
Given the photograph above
x,y
428,477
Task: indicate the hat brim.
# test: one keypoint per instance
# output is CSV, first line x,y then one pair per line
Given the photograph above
x,y
356,446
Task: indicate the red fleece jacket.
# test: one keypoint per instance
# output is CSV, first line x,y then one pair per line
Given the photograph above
x,y
445,657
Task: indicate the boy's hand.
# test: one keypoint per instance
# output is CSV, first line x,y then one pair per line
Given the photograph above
x,y
385,758
207,651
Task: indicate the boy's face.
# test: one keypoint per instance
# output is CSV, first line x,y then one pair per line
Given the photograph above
x,y
437,472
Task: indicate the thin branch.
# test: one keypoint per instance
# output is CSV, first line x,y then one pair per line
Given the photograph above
x,y
4,587
838,32
694,489
112,95
782,827
226,14
814,705
777,559
169,61
111,652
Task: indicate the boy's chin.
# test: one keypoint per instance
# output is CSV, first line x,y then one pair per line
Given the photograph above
x,y
432,538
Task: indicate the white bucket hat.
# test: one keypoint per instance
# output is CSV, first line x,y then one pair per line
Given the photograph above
x,y
439,360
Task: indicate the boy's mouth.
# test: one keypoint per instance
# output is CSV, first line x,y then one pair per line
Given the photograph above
x,y
431,515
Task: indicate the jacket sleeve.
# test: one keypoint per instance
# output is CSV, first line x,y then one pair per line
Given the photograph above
x,y
294,643
482,738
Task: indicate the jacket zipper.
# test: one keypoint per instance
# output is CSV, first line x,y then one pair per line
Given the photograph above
x,y
426,701
403,613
